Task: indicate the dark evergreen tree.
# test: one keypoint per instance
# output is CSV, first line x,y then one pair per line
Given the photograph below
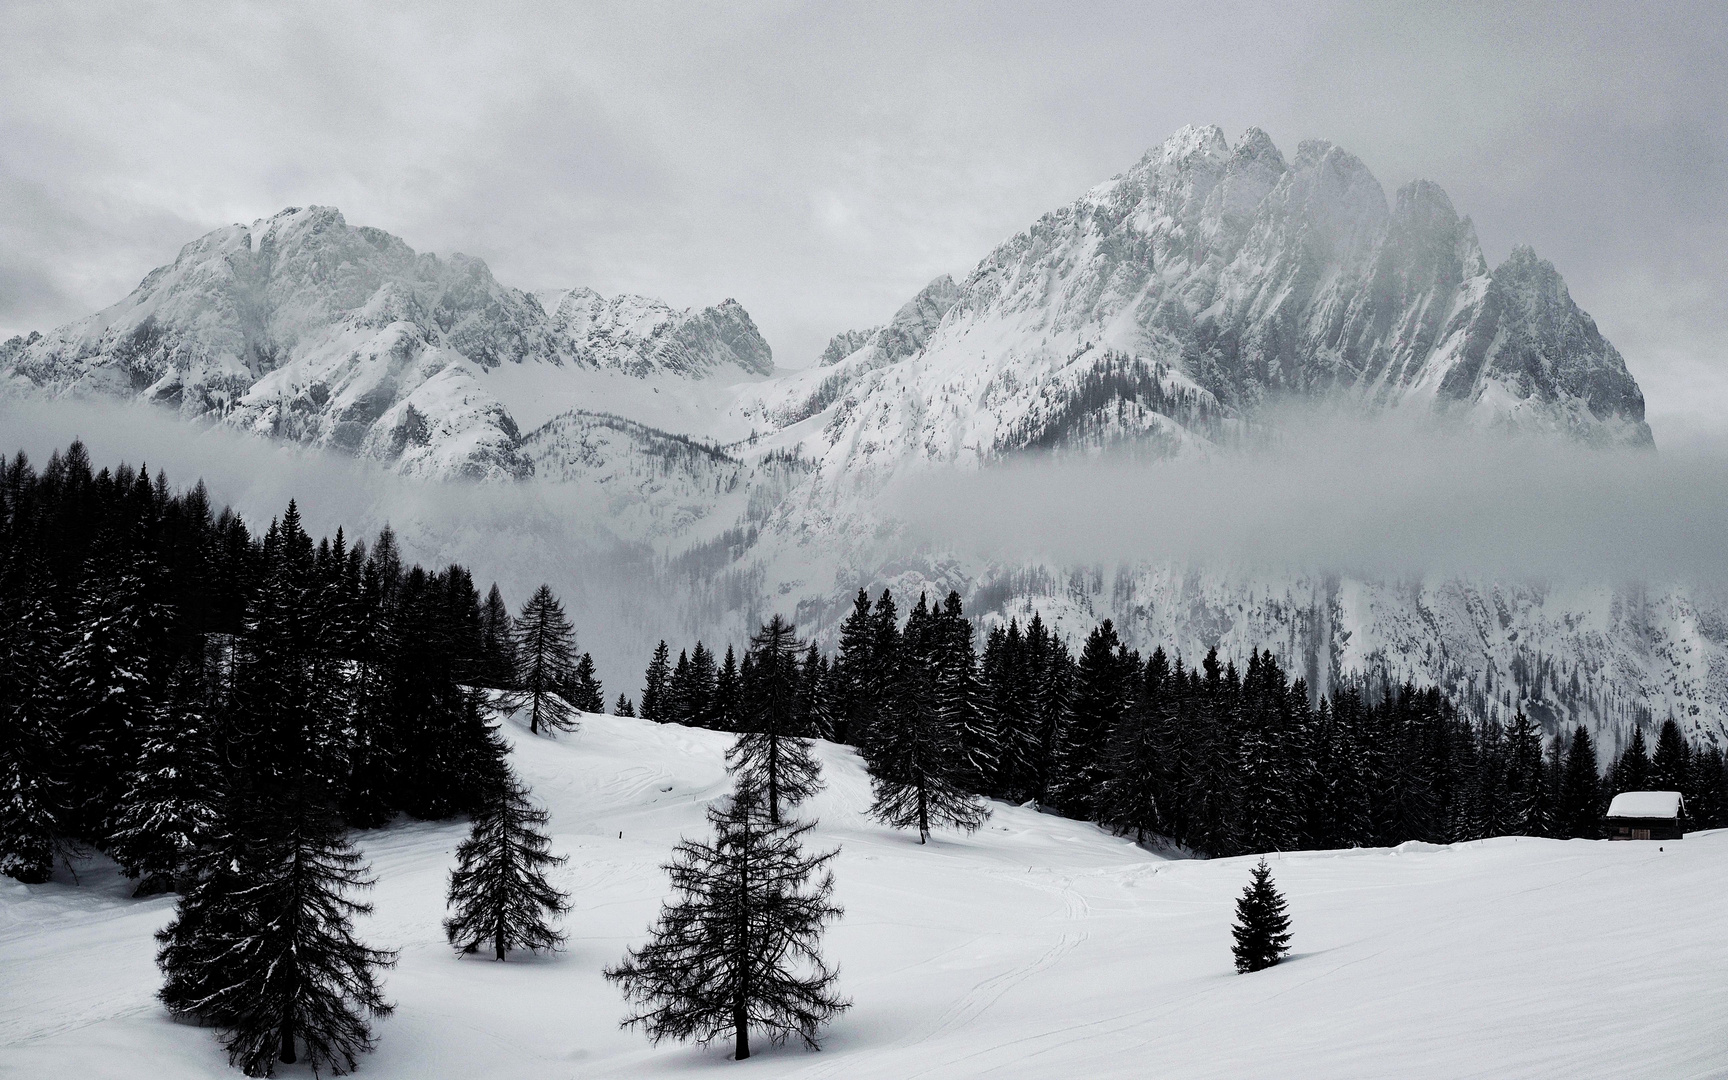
x,y
657,686
1102,697
32,790
915,757
1050,678
498,891
726,703
1632,771
960,696
1262,929
263,946
853,679
699,685
1671,762
585,692
545,662
498,643
624,707
1266,812
679,693
375,748
815,711
739,947
171,808
771,756
108,691
1139,758
1527,812
1580,810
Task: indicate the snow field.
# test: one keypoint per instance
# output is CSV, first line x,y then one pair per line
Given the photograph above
x,y
1039,947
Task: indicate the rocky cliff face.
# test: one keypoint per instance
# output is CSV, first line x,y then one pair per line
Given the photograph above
x,y
302,327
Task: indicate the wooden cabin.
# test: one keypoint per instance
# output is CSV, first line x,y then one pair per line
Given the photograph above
x,y
1646,815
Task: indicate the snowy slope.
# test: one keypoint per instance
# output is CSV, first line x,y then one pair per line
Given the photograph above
x,y
1037,948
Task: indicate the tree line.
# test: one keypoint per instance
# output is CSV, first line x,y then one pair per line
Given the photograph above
x,y
1221,760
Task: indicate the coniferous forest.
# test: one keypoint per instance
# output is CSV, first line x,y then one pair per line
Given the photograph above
x,y
216,707
1219,759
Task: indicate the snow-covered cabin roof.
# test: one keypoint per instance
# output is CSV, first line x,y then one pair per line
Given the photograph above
x,y
1645,804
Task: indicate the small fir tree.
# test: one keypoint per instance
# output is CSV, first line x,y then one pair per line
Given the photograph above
x,y
585,691
1262,929
624,707
739,946
545,662
498,891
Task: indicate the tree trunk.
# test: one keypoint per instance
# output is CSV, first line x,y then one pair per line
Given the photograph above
x,y
740,1027
923,815
287,1037
774,779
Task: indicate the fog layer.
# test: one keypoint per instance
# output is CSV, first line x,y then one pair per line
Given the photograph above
x,y
1381,498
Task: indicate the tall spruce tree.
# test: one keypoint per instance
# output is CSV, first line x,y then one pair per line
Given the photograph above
x,y
724,706
739,946
32,788
108,689
171,808
771,755
1526,783
914,753
852,672
657,686
699,687
1262,929
545,662
1580,809
498,642
1670,763
1632,771
1138,758
1103,695
498,891
960,696
585,691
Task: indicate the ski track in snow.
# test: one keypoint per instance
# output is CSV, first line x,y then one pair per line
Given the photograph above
x,y
1037,947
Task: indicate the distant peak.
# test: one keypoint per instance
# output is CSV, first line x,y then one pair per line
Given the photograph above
x,y
1190,141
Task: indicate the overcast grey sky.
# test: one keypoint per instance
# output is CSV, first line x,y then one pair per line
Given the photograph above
x,y
821,161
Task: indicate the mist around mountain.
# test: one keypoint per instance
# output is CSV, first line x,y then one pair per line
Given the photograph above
x,y
1173,314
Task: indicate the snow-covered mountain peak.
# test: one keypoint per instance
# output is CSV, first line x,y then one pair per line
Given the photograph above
x,y
302,326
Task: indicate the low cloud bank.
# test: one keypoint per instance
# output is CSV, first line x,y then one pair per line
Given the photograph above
x,y
1382,498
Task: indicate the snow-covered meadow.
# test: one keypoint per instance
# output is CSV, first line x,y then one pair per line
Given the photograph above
x,y
1038,947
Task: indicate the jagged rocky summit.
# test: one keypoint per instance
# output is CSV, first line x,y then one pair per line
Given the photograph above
x,y
303,327
1163,310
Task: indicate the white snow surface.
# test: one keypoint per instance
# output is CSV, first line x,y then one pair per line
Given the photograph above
x,y
1644,804
1038,947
